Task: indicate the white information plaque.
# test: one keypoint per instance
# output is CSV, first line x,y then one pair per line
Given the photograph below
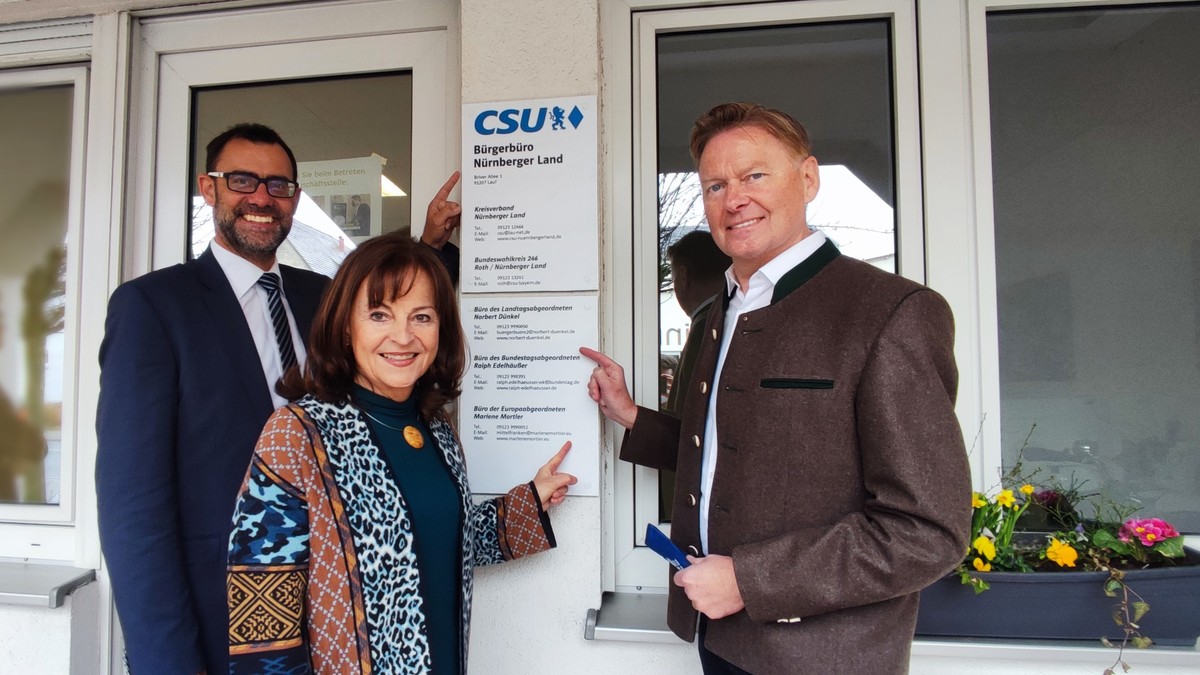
x,y
525,392
348,191
529,220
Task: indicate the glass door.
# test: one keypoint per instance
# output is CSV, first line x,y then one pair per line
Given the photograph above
x,y
354,106
356,89
847,71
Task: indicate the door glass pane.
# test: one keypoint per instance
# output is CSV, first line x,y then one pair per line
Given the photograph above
x,y
836,79
1094,147
35,160
352,137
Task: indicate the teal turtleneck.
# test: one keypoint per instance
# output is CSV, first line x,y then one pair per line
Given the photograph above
x,y
433,505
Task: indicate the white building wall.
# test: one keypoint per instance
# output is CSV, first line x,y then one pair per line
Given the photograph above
x,y
44,641
33,639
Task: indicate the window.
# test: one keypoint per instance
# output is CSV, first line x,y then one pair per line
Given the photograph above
x,y
36,125
833,77
841,70
352,136
58,171
41,132
316,83
1093,147
352,139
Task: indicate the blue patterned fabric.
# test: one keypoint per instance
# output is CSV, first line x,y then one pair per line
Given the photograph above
x,y
271,525
294,664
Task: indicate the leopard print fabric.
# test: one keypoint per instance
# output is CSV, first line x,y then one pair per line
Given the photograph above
x,y
382,536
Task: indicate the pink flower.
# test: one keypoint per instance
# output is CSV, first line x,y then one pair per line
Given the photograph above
x,y
1046,497
1149,531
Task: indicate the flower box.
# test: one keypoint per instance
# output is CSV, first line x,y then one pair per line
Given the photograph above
x,y
1064,605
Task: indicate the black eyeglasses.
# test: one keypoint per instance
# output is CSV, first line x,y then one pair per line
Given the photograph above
x,y
247,183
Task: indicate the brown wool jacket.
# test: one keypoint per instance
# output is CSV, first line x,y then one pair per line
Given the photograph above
x,y
842,486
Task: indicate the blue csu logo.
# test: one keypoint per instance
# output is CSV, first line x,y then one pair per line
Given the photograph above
x,y
528,120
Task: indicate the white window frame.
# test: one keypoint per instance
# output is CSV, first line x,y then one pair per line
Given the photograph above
x,y
634,338
45,531
171,51
76,77
85,52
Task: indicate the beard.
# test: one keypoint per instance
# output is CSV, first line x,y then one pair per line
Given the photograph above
x,y
253,244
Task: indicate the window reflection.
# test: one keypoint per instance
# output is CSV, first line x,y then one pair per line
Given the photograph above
x,y
1094,141
35,153
315,242
352,136
835,78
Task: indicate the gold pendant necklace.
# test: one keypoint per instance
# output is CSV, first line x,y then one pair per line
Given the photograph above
x,y
412,435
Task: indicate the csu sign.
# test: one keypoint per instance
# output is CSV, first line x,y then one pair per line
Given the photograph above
x,y
528,120
525,163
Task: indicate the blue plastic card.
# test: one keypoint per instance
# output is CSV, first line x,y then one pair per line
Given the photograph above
x,y
660,544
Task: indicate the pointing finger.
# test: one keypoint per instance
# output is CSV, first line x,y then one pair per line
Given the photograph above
x,y
444,192
558,457
602,360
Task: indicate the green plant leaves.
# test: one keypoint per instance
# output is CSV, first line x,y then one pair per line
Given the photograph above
x,y
1105,539
1139,610
1171,548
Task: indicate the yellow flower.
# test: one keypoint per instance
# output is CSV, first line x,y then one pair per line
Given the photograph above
x,y
985,546
981,565
977,501
1027,489
1062,553
1006,499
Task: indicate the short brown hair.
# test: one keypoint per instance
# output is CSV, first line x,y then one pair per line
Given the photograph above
x,y
728,116
246,131
698,253
388,265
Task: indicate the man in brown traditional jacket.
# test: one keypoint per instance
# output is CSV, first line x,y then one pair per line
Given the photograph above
x,y
821,477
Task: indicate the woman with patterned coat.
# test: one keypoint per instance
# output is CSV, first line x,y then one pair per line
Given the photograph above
x,y
355,536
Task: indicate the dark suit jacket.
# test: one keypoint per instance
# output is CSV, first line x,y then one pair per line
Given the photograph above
x,y
182,403
842,485
687,356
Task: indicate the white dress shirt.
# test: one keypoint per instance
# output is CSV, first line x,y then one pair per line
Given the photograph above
x,y
243,277
757,295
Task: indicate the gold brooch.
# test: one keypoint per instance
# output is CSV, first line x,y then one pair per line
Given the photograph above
x,y
414,437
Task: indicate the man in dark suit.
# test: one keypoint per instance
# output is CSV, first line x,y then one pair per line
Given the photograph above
x,y
821,476
359,217
189,360
698,277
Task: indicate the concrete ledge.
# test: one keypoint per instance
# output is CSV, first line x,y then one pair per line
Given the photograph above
x,y
40,585
631,617
642,617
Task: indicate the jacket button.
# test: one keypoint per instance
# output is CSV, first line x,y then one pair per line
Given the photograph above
x,y
696,440
703,387
745,318
714,333
691,500
693,551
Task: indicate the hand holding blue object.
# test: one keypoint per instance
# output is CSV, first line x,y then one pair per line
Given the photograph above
x,y
660,544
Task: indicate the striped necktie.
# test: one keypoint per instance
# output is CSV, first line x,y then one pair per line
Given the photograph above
x,y
283,333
